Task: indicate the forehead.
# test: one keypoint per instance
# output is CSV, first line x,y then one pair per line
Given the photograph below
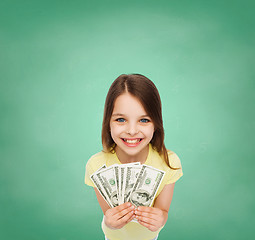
x,y
127,103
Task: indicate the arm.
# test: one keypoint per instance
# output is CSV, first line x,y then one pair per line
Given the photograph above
x,y
116,217
155,217
103,204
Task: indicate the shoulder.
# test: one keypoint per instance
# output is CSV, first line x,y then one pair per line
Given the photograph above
x,y
96,160
159,161
172,175
174,160
94,163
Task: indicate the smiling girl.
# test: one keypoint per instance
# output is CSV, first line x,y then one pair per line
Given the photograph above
x,y
133,131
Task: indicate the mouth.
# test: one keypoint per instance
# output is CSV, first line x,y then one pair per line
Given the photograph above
x,y
131,142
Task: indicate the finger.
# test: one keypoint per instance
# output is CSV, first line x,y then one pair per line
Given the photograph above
x,y
150,212
124,212
127,218
151,227
131,218
147,209
146,214
148,220
121,207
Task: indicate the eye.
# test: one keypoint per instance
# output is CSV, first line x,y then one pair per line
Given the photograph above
x,y
120,120
144,120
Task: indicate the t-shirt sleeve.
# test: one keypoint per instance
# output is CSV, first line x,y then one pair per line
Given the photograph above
x,y
88,172
174,161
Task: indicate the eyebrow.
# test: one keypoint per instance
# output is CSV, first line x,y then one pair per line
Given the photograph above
x,y
120,114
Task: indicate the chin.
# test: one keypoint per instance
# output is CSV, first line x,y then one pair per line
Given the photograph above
x,y
133,150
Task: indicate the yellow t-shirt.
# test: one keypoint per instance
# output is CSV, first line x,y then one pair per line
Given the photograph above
x,y
134,230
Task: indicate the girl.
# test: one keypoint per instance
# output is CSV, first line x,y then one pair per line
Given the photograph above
x,y
133,131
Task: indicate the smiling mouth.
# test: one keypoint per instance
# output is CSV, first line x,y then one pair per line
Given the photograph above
x,y
132,141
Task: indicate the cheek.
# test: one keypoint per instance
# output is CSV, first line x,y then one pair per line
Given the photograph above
x,y
150,132
115,130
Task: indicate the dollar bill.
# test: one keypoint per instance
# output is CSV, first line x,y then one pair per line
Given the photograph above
x,y
128,182
100,188
99,169
121,183
123,180
107,180
116,170
131,175
146,186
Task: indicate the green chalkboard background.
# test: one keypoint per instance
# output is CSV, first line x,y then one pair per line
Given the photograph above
x,y
57,61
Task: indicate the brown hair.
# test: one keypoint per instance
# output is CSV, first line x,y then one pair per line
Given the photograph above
x,y
144,89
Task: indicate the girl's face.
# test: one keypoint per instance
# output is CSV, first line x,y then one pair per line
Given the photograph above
x,y
131,129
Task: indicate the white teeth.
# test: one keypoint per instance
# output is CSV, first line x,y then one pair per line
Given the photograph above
x,y
132,141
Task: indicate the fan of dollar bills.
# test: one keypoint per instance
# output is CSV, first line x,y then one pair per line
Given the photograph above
x,y
133,182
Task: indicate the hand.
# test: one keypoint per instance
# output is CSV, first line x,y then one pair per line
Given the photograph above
x,y
151,217
119,216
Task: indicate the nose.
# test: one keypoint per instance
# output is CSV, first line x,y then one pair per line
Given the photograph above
x,y
132,129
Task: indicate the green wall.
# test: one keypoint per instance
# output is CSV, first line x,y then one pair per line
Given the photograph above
x,y
57,61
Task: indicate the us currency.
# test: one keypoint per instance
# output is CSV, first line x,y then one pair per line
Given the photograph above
x,y
121,183
116,170
131,175
123,175
146,186
99,169
107,180
100,188
97,183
